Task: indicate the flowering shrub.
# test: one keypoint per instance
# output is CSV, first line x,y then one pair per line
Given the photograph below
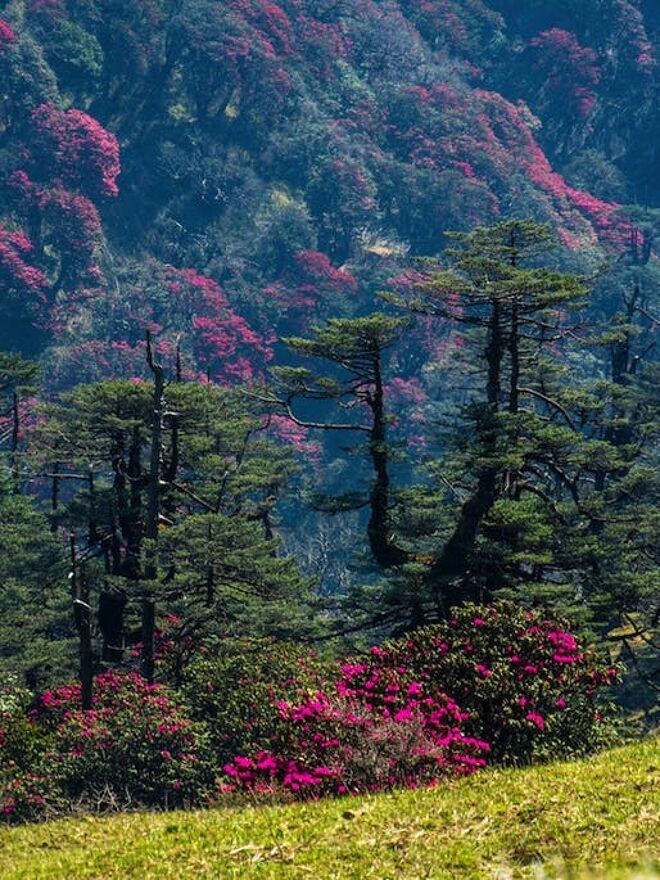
x,y
16,273
29,797
310,289
369,727
135,741
74,228
316,269
235,692
334,745
70,227
571,71
133,746
77,149
528,685
7,35
522,681
223,341
180,306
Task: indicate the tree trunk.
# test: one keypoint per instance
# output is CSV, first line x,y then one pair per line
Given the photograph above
x,y
82,617
84,621
453,562
384,550
153,512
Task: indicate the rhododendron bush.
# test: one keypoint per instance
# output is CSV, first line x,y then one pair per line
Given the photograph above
x,y
17,275
67,228
493,683
358,735
571,71
7,35
74,147
183,307
330,744
133,746
528,685
496,683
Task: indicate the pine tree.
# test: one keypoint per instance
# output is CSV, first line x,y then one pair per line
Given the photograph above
x,y
169,490
355,350
35,620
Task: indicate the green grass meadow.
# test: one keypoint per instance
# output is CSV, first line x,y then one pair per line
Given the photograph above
x,y
598,818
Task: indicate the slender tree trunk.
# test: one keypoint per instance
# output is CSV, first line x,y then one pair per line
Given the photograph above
x,y
82,616
384,550
153,512
513,477
514,353
453,562
93,526
133,530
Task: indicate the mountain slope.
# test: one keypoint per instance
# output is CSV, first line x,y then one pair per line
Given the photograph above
x,y
297,153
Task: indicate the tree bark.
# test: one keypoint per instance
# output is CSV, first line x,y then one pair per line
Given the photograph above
x,y
153,511
453,561
82,617
385,551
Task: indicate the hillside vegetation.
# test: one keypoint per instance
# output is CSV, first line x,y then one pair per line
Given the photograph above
x,y
295,153
328,433
595,818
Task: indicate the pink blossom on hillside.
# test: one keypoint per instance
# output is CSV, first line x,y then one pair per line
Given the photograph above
x,y
572,71
15,273
224,342
316,266
7,35
294,435
466,169
329,739
77,147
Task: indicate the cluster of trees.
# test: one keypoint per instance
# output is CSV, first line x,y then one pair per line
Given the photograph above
x,y
156,508
184,186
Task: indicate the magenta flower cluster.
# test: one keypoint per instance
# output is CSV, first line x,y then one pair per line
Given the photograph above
x,y
528,684
133,745
16,272
76,149
7,35
373,728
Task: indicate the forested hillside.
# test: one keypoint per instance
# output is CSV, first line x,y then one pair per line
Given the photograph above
x,y
320,319
297,155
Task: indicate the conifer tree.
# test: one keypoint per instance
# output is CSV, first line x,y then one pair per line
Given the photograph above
x,y
355,350
174,485
550,455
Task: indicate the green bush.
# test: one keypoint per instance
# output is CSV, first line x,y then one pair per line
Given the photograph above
x,y
532,691
22,741
234,692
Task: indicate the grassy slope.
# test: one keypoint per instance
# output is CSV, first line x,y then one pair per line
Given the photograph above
x,y
594,818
